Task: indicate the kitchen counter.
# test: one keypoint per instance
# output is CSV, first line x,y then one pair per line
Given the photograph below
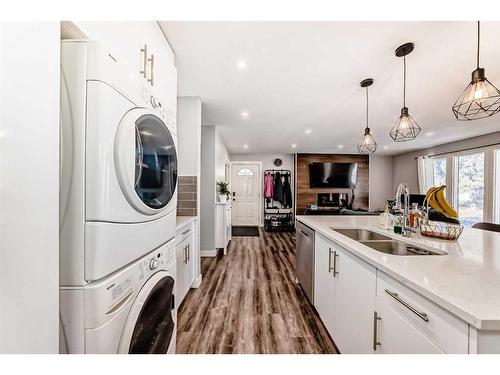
x,y
466,282
183,220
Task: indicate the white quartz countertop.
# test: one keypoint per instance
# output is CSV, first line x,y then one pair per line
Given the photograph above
x,y
466,282
183,220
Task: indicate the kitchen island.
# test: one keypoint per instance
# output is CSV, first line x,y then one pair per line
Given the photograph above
x,y
437,303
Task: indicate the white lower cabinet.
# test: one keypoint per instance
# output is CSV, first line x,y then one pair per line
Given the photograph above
x,y
324,286
344,296
392,334
367,311
185,259
354,301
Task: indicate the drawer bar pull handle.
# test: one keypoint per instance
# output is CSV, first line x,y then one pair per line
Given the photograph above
x,y
421,315
376,343
330,268
186,231
335,255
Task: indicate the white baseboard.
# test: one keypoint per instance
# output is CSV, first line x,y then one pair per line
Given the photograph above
x,y
197,282
208,253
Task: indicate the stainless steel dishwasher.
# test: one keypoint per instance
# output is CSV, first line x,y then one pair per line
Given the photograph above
x,y
304,259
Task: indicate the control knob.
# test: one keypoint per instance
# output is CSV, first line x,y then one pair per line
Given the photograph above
x,y
153,264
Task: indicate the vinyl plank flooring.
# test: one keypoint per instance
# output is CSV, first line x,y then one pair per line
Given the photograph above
x,y
249,303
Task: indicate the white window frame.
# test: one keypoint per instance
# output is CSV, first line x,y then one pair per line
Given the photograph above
x,y
491,208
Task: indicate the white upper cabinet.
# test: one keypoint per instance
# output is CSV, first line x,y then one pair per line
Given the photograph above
x,y
125,41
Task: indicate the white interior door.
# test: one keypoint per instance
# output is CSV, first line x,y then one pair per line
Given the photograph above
x,y
246,193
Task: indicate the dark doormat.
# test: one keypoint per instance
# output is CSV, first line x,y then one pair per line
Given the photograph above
x,y
238,231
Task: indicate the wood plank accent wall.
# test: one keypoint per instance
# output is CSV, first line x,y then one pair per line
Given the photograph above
x,y
307,196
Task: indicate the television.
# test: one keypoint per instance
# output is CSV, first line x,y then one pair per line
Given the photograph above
x,y
333,175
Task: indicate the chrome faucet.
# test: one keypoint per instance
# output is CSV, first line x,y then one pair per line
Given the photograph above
x,y
404,190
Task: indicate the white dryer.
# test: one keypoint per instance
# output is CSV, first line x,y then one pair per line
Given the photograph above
x,y
118,165
131,311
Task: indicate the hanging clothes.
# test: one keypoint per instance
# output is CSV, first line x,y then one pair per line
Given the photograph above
x,y
278,188
287,193
268,185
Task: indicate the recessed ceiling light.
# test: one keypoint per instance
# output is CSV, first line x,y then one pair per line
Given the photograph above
x,y
308,131
294,145
244,114
428,134
341,147
245,146
386,147
241,64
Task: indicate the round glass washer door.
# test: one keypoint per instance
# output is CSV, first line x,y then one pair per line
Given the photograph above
x,y
145,161
150,325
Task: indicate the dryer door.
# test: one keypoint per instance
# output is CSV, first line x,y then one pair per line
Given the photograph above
x,y
146,161
150,326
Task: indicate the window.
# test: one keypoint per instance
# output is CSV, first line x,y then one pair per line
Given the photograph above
x,y
470,188
245,172
439,171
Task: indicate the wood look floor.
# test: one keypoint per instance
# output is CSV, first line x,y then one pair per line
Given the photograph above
x,y
249,303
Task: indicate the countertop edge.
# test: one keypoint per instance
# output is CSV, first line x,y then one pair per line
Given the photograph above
x,y
183,220
480,324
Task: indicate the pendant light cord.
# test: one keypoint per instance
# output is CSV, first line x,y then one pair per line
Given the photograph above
x,y
367,107
478,40
404,81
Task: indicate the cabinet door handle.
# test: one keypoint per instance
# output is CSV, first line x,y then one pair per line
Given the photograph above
x,y
151,77
188,252
330,268
421,315
144,52
376,343
335,255
185,254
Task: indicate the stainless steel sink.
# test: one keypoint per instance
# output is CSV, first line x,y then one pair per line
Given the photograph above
x,y
361,234
383,243
398,248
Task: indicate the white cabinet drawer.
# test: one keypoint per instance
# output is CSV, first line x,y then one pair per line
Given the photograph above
x,y
448,332
184,232
395,335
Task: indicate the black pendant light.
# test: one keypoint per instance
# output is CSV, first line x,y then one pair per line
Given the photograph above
x,y
368,144
480,98
405,129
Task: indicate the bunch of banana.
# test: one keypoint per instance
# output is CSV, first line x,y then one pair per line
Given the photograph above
x,y
436,199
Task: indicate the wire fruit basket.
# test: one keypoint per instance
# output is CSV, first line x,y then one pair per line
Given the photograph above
x,y
440,229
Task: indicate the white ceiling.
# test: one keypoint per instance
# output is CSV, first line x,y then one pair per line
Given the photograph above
x,y
305,75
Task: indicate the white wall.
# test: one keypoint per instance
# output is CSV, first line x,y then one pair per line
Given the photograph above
x,y
221,156
380,185
207,213
189,135
29,187
405,166
189,152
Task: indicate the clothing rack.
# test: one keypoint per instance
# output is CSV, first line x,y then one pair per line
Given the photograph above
x,y
278,217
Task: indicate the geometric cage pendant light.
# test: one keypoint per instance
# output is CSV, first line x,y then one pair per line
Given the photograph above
x,y
480,98
368,144
406,128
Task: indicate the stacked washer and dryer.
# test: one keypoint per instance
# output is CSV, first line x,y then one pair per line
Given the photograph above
x,y
118,202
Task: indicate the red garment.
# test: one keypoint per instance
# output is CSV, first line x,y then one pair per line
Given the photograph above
x,y
268,185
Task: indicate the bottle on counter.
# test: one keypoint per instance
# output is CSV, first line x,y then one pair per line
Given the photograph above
x,y
385,219
414,215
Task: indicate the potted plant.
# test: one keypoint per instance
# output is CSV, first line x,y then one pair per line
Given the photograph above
x,y
223,191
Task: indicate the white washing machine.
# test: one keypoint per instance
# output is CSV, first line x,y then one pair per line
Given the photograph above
x,y
131,311
118,165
